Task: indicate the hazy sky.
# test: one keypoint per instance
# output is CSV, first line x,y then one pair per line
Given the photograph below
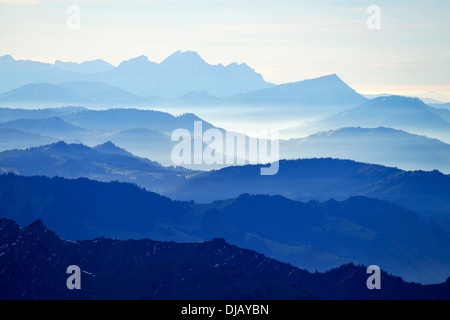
x,y
285,40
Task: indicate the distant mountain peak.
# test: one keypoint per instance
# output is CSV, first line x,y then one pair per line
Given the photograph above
x,y
326,80
197,96
140,58
107,144
360,129
60,145
37,224
136,62
6,57
97,60
7,225
184,57
398,98
176,75
55,118
329,77
36,227
395,102
325,91
86,67
188,116
111,148
243,65
218,241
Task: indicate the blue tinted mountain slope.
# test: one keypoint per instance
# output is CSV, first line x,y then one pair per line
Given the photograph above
x,y
53,126
151,144
87,93
146,133
310,235
440,105
195,98
40,93
320,235
16,139
178,74
327,91
208,270
105,162
444,113
94,66
101,94
408,114
130,75
17,73
9,114
139,269
181,73
110,148
178,79
97,208
372,145
426,193
326,94
109,120
125,119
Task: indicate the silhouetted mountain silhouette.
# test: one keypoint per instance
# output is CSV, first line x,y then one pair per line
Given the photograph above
x,y
380,145
105,162
310,235
146,269
426,193
178,74
53,126
94,66
324,91
403,113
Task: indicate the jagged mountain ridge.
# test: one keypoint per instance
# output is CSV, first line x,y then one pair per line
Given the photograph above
x,y
146,269
310,235
105,162
178,74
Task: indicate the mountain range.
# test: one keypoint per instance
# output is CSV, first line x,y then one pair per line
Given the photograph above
x,y
94,66
88,93
147,133
182,79
309,235
16,139
100,121
53,126
324,94
302,179
386,146
441,105
105,162
321,92
397,112
146,269
351,189
178,74
426,193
